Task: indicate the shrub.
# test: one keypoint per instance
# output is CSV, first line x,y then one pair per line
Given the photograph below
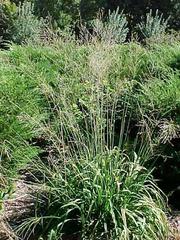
x,y
90,9
63,13
135,10
26,26
153,26
174,14
7,9
114,30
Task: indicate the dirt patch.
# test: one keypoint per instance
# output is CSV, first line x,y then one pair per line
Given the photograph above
x,y
20,206
174,221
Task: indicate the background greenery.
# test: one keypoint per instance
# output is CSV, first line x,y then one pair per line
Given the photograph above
x,y
72,13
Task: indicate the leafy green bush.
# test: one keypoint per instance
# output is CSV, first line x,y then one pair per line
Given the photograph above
x,y
62,12
7,9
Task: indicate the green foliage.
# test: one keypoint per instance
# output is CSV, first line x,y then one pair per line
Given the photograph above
x,y
62,12
1,200
109,195
89,9
25,72
53,235
161,98
7,9
19,99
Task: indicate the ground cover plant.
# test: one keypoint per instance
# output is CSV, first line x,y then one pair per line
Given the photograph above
x,y
87,122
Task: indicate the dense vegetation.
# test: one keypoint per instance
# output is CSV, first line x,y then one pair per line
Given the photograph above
x,y
91,118
18,19
90,115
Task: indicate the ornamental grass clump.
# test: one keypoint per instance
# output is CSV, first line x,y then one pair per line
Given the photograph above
x,y
95,181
